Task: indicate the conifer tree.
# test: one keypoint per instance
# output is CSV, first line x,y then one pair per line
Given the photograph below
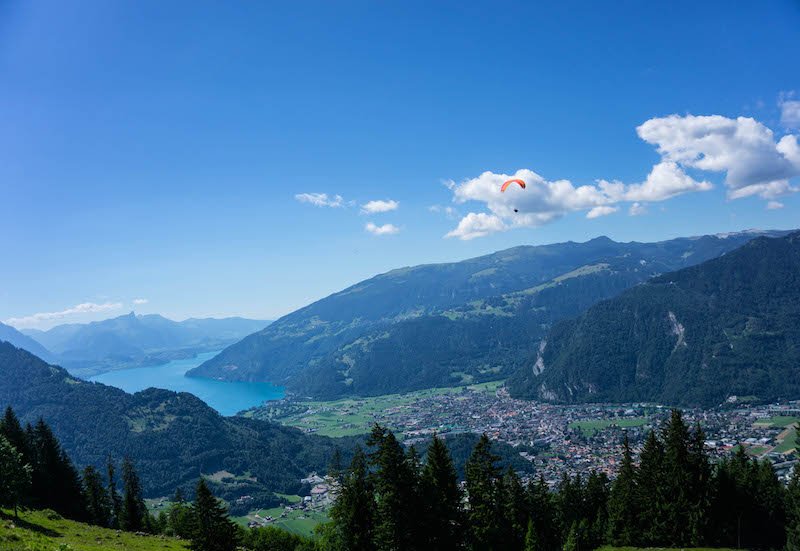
x,y
11,428
651,492
699,487
132,514
595,497
570,503
542,512
335,465
115,502
15,475
793,512
394,485
623,513
531,537
442,498
98,504
353,511
212,529
513,511
677,483
482,476
55,482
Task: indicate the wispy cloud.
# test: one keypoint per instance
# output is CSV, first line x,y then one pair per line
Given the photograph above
x,y
321,199
386,229
140,301
376,206
743,149
448,211
83,308
774,205
637,209
790,110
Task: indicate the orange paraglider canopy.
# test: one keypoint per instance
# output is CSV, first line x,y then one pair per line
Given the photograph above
x,y
513,181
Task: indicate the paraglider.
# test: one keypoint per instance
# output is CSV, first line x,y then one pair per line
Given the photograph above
x,y
512,181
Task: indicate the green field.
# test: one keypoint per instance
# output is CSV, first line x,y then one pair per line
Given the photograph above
x,y
779,421
591,426
789,443
298,522
47,531
354,416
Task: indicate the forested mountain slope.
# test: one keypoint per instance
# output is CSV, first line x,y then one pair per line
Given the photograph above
x,y
727,327
172,438
441,324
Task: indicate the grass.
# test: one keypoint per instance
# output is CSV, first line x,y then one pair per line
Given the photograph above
x,y
47,531
608,548
355,416
780,421
789,441
296,521
592,426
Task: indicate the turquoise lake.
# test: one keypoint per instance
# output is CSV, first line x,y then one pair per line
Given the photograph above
x,y
228,398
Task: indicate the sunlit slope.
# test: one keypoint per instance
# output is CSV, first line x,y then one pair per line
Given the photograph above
x,y
442,324
46,531
698,336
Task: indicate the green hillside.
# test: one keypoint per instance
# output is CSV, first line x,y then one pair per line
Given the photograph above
x,y
48,531
727,327
444,324
172,437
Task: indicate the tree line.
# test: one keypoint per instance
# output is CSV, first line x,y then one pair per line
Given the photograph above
x,y
674,496
391,498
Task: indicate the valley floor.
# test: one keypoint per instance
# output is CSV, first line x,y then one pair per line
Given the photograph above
x,y
571,439
47,531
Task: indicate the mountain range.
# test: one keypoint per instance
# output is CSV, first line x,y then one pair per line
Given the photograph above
x,y
134,340
726,329
442,324
20,340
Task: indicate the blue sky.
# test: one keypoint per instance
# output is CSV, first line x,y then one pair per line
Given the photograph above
x,y
154,150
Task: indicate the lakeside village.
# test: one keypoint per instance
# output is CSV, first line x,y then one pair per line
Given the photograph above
x,y
555,438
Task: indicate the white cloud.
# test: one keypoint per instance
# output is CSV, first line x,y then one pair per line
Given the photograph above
x,y
637,209
774,205
448,211
139,301
83,308
386,229
665,181
790,114
477,225
742,148
790,110
320,199
543,201
597,212
376,206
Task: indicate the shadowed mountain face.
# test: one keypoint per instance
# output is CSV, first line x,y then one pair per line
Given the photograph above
x,y
172,437
442,324
132,340
727,327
